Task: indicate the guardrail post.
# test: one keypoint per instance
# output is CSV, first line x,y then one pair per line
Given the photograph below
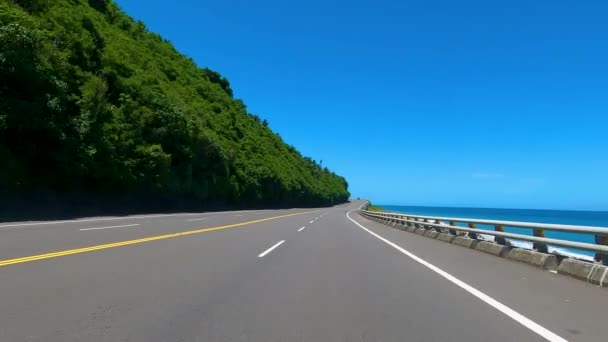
x,y
500,239
424,225
541,247
601,240
453,231
437,229
472,235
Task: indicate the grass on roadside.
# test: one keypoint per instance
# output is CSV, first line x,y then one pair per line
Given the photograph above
x,y
372,207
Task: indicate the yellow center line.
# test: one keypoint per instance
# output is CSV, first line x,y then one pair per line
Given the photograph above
x,y
32,258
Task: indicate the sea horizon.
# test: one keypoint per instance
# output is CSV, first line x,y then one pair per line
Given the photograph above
x,y
497,208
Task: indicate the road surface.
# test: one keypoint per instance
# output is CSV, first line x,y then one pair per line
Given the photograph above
x,y
275,275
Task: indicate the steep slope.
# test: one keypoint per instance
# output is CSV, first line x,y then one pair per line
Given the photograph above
x,y
89,99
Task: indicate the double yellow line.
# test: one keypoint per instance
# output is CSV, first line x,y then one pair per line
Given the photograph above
x,y
32,258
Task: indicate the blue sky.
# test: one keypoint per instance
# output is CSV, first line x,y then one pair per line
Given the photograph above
x,y
451,103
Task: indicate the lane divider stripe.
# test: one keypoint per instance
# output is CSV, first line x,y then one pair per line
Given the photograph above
x,y
38,257
110,227
263,254
93,220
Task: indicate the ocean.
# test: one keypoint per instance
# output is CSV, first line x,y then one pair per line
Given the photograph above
x,y
583,218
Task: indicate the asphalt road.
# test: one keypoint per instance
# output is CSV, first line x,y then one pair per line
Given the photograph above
x,y
277,275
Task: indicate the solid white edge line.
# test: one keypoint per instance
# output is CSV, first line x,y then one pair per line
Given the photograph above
x,y
198,219
271,249
301,229
97,228
516,316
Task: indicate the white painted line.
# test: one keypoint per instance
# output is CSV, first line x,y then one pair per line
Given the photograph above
x,y
198,219
593,268
92,220
603,277
271,249
312,221
516,316
301,229
237,215
111,227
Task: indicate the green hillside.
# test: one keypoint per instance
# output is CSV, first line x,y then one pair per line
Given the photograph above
x,y
90,99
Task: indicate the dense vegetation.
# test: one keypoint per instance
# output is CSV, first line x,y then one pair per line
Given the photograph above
x,y
90,99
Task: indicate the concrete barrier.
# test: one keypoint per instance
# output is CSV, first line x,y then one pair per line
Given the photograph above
x,y
446,237
542,260
465,242
411,229
431,233
590,272
420,231
492,248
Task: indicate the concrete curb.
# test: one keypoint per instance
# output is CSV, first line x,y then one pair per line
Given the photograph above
x,y
492,248
542,260
445,237
590,272
465,242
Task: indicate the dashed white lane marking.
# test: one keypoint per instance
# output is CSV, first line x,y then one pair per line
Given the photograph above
x,y
198,219
313,221
516,316
92,220
271,249
301,229
111,227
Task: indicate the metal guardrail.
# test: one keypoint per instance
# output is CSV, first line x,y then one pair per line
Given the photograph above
x,y
540,242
